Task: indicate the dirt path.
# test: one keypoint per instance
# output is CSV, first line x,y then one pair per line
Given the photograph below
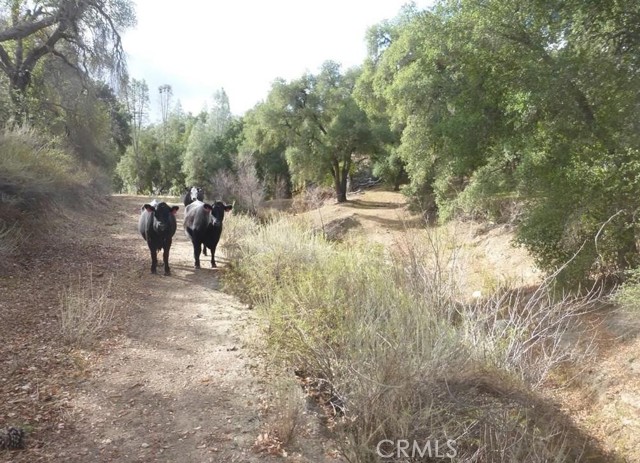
x,y
175,384
179,387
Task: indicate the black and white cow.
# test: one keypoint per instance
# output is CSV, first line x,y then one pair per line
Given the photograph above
x,y
193,194
203,226
157,225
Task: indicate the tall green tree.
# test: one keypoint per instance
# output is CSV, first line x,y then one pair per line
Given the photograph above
x,y
212,143
320,123
175,133
268,150
134,164
534,102
140,172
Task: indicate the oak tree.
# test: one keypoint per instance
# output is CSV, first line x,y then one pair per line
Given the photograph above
x,y
317,118
83,34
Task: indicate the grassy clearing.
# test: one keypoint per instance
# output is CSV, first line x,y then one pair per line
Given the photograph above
x,y
390,348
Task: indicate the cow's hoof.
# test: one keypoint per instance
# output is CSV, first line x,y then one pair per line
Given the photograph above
x,y
153,271
196,266
213,265
167,272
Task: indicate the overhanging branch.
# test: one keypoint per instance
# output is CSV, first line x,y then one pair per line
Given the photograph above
x,y
24,30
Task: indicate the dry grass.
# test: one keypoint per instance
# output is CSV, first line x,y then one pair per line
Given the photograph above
x,y
33,169
285,410
36,175
9,240
401,355
86,310
236,228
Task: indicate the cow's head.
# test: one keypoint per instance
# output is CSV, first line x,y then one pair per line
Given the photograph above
x,y
163,214
217,211
196,194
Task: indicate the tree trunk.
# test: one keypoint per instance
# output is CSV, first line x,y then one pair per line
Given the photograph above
x,y
396,182
627,253
340,179
341,188
18,92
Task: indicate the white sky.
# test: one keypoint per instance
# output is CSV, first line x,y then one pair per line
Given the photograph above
x,y
199,46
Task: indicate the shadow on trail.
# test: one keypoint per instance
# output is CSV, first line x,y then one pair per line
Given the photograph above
x,y
362,204
204,277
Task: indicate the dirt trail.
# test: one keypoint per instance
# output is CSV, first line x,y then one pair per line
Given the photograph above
x,y
175,384
179,387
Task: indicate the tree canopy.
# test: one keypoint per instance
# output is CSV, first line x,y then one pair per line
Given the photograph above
x,y
84,35
503,102
319,122
498,110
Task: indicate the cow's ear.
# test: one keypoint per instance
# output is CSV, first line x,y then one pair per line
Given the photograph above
x,y
174,209
228,208
207,207
149,208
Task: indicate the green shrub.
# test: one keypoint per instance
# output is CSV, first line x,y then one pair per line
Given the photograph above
x,y
627,299
490,195
628,294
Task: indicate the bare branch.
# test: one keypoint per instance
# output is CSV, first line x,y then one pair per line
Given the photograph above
x,y
602,228
66,60
38,52
24,30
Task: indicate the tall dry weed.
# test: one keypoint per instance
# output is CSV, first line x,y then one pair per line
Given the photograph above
x,y
395,352
86,310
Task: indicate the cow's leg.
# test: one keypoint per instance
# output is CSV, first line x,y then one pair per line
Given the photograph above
x,y
165,256
154,258
213,254
196,253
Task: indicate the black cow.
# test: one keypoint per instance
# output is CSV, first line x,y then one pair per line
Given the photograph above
x,y
193,194
203,226
157,225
